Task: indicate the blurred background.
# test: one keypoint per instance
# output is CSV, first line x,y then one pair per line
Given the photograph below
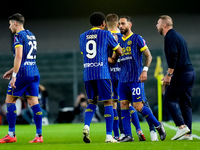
x,y
57,26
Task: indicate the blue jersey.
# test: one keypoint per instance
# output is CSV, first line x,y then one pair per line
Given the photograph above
x,y
27,40
131,58
94,47
114,68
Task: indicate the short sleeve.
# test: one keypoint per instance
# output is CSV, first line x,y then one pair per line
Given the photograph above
x,y
112,42
141,44
18,41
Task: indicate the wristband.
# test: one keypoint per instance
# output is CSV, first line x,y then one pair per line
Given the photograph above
x,y
14,74
145,68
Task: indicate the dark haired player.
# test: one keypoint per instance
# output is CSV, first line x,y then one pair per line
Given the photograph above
x,y
96,76
112,21
24,78
133,76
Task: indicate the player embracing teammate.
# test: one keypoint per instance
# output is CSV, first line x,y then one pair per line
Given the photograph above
x,y
94,47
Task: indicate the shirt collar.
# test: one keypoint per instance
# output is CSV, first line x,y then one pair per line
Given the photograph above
x,y
95,28
124,39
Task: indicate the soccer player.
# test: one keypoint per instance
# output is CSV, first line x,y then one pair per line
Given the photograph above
x,y
112,25
114,69
96,76
179,78
24,78
132,77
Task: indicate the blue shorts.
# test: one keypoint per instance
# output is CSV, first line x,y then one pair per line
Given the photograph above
x,y
101,88
132,91
25,85
115,90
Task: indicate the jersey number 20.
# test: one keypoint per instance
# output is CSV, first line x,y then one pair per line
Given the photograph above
x,y
93,51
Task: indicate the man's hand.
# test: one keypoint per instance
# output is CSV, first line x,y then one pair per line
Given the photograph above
x,y
7,75
166,80
12,82
143,76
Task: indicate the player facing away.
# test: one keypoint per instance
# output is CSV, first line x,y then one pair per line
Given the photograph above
x,y
112,25
112,21
132,77
96,76
24,78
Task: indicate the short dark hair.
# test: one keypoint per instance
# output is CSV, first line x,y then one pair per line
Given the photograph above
x,y
17,17
97,18
128,18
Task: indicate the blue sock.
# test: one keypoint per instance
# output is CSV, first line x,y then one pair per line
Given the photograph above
x,y
151,125
135,119
37,116
126,121
11,116
109,117
116,124
146,112
89,112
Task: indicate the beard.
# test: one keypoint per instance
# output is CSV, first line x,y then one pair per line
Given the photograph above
x,y
124,31
160,31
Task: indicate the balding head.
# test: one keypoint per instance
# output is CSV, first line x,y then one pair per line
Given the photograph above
x,y
164,24
166,20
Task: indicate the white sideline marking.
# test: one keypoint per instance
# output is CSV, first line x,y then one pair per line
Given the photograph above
x,y
174,128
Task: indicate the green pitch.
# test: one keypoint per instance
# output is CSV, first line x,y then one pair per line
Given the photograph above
x,y
69,137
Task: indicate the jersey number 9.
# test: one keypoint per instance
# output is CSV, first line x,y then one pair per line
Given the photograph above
x,y
91,49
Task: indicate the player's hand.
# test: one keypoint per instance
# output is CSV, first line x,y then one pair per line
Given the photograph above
x,y
12,82
116,37
143,76
7,75
166,80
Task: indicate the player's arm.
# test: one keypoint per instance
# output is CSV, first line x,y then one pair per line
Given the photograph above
x,y
115,56
148,59
8,74
17,63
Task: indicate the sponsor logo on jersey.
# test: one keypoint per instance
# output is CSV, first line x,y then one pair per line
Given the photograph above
x,y
115,69
96,64
29,63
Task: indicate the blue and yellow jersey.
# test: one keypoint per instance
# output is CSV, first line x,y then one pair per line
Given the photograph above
x,y
131,59
94,47
114,68
27,40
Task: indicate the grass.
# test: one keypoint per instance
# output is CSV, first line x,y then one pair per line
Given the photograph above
x,y
69,136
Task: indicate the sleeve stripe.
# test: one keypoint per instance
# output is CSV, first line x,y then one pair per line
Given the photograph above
x,y
19,45
143,48
116,47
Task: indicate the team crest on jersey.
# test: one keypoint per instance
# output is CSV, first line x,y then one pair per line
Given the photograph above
x,y
129,42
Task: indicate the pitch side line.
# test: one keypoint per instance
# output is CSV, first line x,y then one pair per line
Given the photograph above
x,y
174,128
